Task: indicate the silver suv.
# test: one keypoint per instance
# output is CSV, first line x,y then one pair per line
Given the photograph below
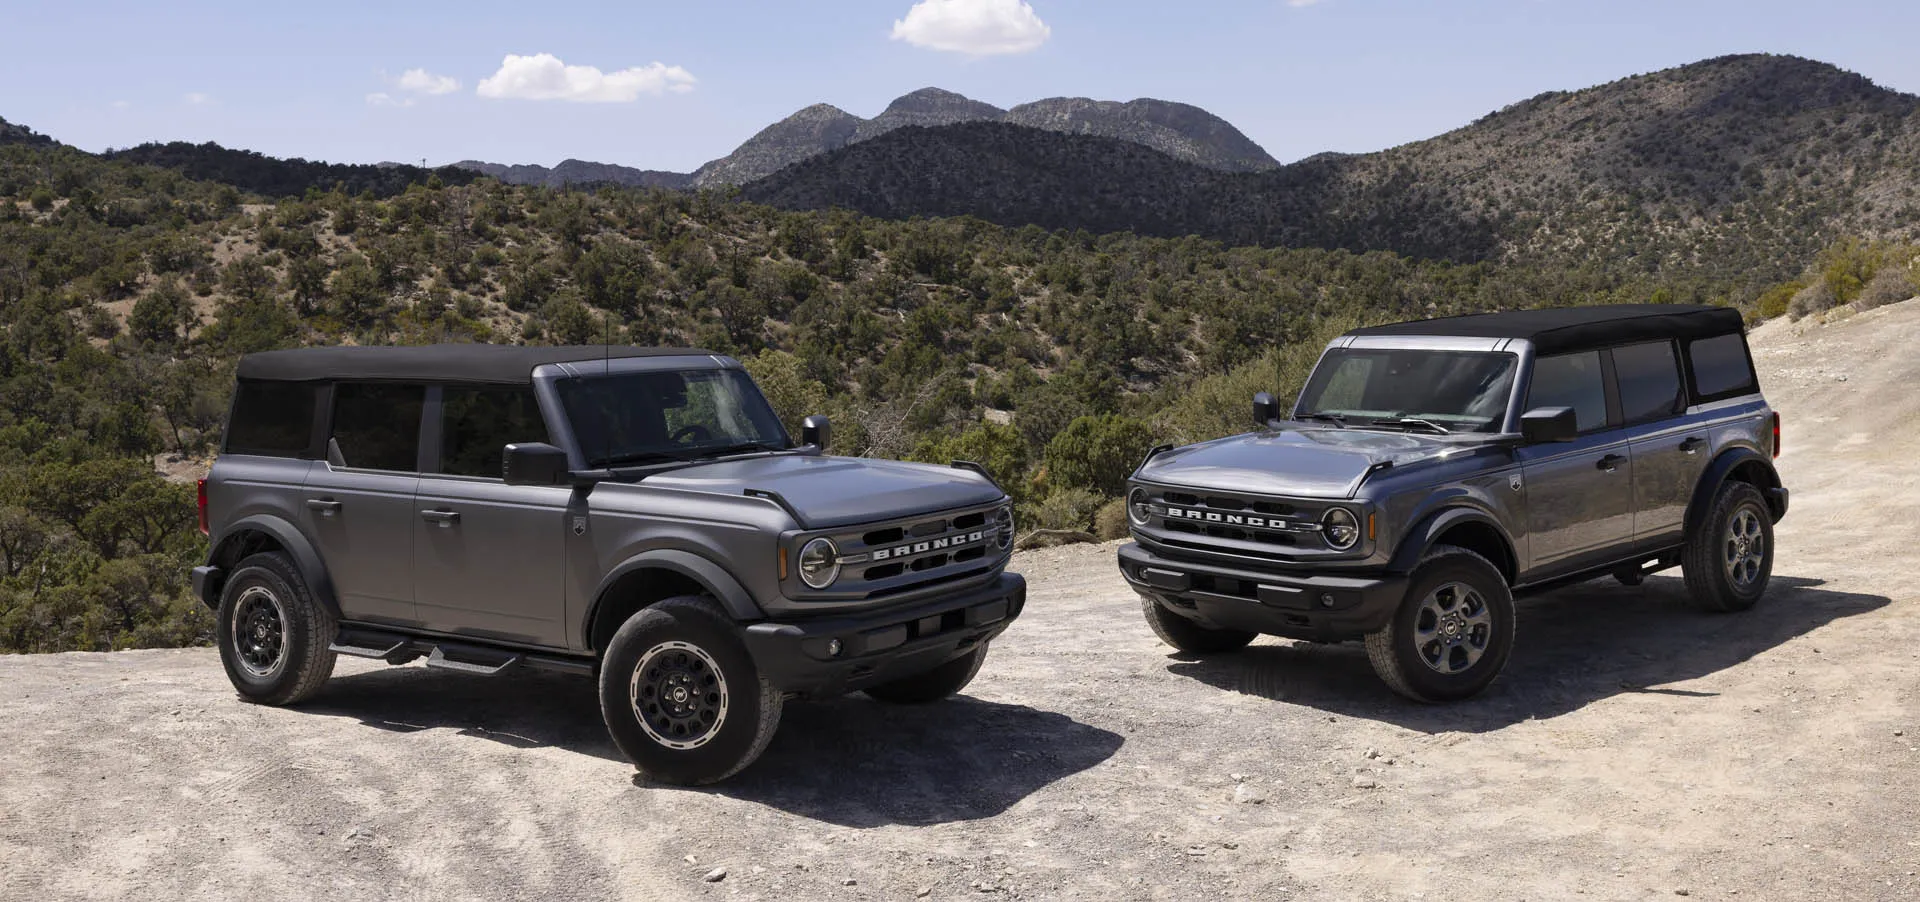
x,y
636,515
1430,471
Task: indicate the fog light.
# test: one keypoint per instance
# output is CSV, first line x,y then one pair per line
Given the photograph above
x,y
833,648
1326,601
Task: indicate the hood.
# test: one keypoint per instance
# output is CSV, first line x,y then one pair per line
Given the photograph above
x,y
1302,463
839,491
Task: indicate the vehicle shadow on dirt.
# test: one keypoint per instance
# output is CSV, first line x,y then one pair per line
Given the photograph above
x,y
1574,647
850,761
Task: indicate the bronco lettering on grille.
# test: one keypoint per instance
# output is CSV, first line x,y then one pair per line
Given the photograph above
x,y
944,542
1236,519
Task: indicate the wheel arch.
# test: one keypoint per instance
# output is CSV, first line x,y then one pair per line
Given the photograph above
x,y
1465,527
263,533
654,576
1733,465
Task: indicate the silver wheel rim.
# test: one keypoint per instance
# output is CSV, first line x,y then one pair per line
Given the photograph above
x,y
259,632
1452,629
1744,549
679,695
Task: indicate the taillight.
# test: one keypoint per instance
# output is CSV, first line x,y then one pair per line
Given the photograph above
x,y
201,490
1776,434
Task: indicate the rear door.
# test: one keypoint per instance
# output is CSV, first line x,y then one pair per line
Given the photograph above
x,y
1670,448
488,557
358,502
1579,493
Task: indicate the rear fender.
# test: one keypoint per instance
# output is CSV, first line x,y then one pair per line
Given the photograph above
x,y
225,554
1752,466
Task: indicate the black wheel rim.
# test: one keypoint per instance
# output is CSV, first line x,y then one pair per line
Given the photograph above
x,y
679,695
259,632
1453,628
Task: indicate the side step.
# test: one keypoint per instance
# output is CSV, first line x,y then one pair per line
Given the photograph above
x,y
479,660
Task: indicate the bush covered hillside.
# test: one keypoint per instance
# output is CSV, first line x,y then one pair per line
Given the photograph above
x,y
128,291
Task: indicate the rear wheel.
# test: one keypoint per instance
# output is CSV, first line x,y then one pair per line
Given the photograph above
x,y
932,685
1729,559
1188,636
681,696
274,638
1452,633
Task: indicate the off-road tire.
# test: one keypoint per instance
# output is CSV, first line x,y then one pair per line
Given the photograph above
x,y
751,706
306,630
932,685
1188,636
1703,560
1395,651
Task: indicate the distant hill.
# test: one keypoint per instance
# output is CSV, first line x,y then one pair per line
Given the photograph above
x,y
808,133
274,177
1741,161
20,134
579,172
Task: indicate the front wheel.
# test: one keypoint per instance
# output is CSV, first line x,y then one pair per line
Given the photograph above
x,y
932,685
1729,559
681,696
1452,633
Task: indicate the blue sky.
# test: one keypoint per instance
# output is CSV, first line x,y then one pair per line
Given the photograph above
x,y
328,80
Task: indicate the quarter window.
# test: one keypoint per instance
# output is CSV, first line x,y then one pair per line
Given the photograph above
x,y
1649,380
273,419
1571,380
479,422
1720,367
377,427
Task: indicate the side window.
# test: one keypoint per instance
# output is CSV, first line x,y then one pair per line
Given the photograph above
x,y
1649,380
1720,367
477,422
1571,380
377,427
273,419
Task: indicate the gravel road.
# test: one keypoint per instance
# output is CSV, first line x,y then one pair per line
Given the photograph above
x,y
1633,750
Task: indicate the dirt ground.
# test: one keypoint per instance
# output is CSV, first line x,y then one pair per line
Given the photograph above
x,y
1633,750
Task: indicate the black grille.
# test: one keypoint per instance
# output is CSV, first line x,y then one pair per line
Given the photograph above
x,y
1234,533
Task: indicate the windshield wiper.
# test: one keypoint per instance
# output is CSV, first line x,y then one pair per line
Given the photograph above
x,y
1410,422
636,457
1333,418
741,448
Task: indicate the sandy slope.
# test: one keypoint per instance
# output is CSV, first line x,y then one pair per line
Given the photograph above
x,y
1634,749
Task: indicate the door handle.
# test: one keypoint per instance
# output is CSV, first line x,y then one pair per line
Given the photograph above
x,y
1609,463
1693,445
446,519
326,507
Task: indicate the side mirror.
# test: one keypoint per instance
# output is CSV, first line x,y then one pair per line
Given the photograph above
x,y
816,432
1265,409
533,463
1549,424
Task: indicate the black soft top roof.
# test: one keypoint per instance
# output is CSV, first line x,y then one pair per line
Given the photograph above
x,y
433,363
1561,329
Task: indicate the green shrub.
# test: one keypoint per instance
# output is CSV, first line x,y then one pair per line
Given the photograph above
x,y
1066,509
1773,303
1098,453
1815,298
1110,521
1890,285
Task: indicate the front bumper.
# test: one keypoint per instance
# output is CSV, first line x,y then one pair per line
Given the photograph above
x,y
883,645
1316,606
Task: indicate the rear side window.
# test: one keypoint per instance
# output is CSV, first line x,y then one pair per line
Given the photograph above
x,y
1649,380
1721,368
1571,380
478,422
377,427
273,419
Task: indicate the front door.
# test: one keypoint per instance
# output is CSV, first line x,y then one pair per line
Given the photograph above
x,y
489,557
1579,493
358,504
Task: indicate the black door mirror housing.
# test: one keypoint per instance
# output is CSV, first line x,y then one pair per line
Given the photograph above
x,y
816,432
533,463
1549,424
1265,409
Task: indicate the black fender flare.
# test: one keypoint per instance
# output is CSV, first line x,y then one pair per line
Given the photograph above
x,y
714,578
1716,475
1423,535
305,558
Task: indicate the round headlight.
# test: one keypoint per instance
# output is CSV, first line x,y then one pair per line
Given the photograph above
x,y
1341,528
1003,520
819,563
1137,509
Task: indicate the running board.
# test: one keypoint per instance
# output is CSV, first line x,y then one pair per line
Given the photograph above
x,y
438,659
480,660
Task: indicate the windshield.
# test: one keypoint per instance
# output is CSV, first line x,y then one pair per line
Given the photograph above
x,y
1462,391
676,415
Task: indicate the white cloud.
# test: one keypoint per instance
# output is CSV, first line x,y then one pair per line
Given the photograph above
x,y
420,81
198,99
973,27
382,98
543,77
